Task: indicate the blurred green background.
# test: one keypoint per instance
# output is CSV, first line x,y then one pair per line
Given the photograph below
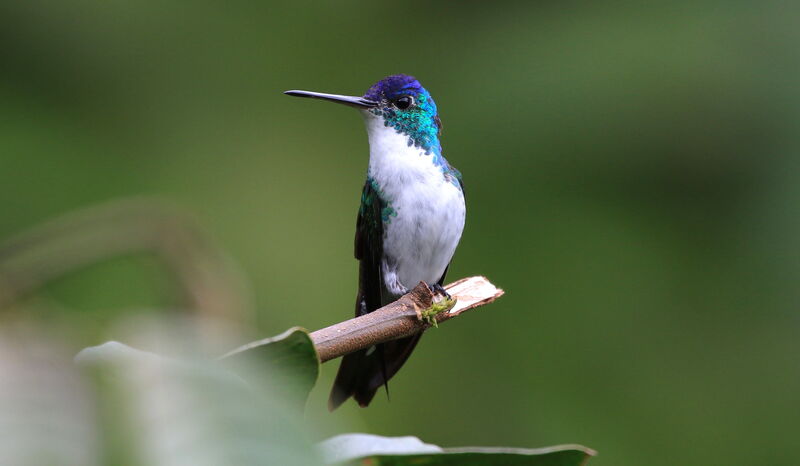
x,y
632,181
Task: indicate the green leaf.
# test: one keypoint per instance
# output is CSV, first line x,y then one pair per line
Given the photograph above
x,y
373,450
289,359
196,412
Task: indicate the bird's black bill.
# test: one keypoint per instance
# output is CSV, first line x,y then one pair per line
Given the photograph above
x,y
358,102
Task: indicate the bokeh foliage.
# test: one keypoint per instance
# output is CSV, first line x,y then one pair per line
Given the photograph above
x,y
631,172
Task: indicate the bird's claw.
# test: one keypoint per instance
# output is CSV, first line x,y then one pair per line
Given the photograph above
x,y
439,289
442,302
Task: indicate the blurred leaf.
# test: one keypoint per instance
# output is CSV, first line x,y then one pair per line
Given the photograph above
x,y
350,446
400,451
47,412
197,413
290,357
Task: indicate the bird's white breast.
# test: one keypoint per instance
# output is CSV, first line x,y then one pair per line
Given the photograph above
x,y
419,241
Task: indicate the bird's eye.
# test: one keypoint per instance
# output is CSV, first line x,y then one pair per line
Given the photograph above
x,y
404,102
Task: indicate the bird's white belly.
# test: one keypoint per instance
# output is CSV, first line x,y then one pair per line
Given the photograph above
x,y
421,240
421,235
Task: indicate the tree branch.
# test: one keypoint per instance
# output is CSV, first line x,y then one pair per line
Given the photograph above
x,y
402,318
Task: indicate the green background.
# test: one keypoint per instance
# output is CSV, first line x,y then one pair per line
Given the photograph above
x,y
631,174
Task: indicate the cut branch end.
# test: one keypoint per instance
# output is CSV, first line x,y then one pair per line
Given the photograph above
x,y
414,312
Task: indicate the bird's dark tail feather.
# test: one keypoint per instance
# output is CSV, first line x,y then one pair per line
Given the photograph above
x,y
361,374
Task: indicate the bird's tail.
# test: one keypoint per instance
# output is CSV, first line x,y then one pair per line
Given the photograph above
x,y
362,373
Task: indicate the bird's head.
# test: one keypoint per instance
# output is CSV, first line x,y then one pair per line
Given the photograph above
x,y
401,102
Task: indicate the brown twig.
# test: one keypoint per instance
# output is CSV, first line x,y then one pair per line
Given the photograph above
x,y
401,318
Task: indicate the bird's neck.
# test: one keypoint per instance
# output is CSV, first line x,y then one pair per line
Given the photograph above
x,y
395,160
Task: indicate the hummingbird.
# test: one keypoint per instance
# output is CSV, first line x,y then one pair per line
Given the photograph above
x,y
409,222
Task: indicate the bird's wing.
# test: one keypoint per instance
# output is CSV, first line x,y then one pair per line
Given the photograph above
x,y
369,249
363,370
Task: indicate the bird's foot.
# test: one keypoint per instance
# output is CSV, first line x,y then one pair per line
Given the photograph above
x,y
442,302
438,289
